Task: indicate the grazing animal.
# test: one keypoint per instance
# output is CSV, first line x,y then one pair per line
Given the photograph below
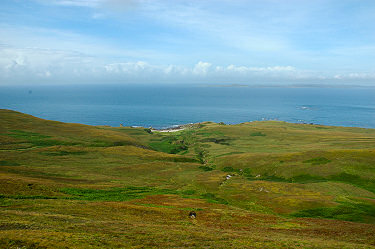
x,y
192,214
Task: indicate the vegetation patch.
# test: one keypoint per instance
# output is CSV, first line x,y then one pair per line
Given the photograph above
x,y
101,143
228,169
181,159
188,192
223,141
265,177
355,180
230,153
148,130
8,163
247,172
257,134
212,198
27,135
349,211
5,202
318,161
304,178
307,178
205,168
171,207
210,133
29,197
168,145
114,194
12,243
201,154
37,139
63,153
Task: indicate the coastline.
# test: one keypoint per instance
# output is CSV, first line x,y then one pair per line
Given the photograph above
x,y
175,128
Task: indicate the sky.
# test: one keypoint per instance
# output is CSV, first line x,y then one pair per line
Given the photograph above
x,y
252,42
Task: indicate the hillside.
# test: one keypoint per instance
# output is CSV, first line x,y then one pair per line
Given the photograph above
x,y
253,185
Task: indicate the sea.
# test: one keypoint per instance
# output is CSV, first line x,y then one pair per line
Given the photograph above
x,y
162,106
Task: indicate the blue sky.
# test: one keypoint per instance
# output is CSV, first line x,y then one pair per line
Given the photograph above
x,y
177,42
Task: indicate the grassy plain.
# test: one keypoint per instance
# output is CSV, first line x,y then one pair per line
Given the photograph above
x,y
291,186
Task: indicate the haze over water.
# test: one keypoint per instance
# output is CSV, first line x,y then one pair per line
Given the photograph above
x,y
165,106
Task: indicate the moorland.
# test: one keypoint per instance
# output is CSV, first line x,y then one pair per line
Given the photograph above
x,y
265,184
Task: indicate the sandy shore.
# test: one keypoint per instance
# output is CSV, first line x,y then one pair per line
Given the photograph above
x,y
170,129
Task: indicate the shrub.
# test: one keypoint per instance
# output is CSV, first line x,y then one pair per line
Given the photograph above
x,y
228,169
257,134
206,168
188,192
8,163
348,211
210,197
317,161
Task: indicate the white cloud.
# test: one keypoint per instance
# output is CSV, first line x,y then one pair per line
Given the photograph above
x,y
29,65
33,65
130,67
355,76
201,68
32,55
244,69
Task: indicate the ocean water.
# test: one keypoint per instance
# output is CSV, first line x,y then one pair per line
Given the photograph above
x,y
165,106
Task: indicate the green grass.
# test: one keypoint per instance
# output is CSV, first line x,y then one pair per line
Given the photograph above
x,y
168,145
212,198
37,139
114,194
223,140
188,192
206,168
228,169
348,211
27,135
8,163
317,161
31,197
63,153
257,134
355,180
77,186
16,244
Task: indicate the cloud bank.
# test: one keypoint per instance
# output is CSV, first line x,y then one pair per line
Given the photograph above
x,y
48,66
165,41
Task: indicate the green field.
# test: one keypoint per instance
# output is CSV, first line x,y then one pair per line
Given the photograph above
x,y
291,186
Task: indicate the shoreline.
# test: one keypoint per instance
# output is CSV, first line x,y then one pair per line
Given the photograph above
x,y
175,128
168,130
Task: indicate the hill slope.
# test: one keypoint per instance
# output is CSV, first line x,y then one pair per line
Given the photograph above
x,y
290,185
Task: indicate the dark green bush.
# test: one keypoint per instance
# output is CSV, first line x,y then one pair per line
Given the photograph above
x,y
318,161
257,134
206,168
